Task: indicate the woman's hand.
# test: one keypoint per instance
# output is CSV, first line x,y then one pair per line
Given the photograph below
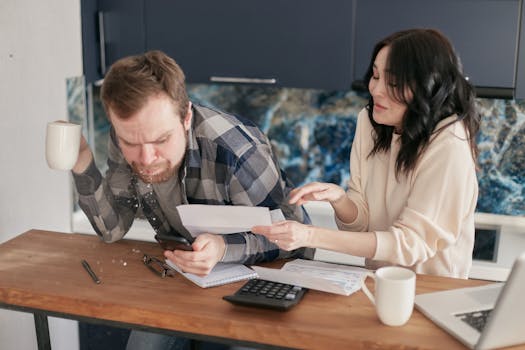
x,y
288,235
317,191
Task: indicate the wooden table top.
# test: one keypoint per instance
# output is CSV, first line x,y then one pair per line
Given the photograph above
x,y
41,270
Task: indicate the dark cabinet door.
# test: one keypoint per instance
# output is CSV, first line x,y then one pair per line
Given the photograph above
x,y
111,29
90,40
484,33
123,28
520,69
295,43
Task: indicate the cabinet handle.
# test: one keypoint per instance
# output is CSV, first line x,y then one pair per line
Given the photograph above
x,y
243,80
102,42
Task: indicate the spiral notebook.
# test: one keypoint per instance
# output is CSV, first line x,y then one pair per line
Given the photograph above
x,y
222,273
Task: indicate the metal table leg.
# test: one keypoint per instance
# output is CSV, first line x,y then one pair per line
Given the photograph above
x,y
42,331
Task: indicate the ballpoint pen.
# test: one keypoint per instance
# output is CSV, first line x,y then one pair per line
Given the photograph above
x,y
91,273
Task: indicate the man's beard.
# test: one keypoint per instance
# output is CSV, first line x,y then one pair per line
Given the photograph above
x,y
167,172
168,169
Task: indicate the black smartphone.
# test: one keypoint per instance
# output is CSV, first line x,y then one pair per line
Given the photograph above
x,y
170,242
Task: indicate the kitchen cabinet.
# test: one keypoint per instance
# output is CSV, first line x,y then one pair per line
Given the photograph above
x,y
484,33
111,29
293,43
302,43
519,93
123,29
90,43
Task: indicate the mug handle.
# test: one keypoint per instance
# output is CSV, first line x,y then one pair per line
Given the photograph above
x,y
365,288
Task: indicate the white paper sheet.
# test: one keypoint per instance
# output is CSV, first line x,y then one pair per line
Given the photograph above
x,y
224,219
318,275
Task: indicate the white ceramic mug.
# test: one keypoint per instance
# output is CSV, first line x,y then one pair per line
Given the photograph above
x,y
62,144
395,289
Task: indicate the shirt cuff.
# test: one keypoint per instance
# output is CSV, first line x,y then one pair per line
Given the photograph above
x,y
385,245
88,181
235,247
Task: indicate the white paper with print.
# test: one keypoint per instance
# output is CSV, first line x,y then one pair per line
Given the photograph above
x,y
318,275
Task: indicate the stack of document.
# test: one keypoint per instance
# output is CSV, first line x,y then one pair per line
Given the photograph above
x,y
318,275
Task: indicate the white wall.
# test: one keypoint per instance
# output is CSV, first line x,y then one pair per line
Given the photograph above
x,y
40,46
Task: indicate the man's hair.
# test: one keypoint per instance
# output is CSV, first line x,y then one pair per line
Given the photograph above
x,y
132,80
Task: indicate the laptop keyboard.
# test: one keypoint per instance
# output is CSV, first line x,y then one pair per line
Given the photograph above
x,y
475,319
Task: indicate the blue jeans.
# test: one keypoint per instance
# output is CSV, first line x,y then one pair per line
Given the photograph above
x,y
142,340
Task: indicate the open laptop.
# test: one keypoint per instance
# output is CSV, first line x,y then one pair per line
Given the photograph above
x,y
461,311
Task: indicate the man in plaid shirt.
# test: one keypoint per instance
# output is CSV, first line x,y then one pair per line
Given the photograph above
x,y
165,151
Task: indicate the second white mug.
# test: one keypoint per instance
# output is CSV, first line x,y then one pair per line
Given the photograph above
x,y
62,144
395,289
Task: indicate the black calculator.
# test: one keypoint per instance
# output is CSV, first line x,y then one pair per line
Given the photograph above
x,y
267,294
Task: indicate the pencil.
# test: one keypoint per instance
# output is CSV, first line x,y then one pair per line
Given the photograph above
x,y
91,273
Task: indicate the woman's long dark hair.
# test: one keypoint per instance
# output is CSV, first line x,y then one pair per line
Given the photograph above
x,y
424,62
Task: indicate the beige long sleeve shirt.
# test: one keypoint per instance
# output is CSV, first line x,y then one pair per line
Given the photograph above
x,y
424,221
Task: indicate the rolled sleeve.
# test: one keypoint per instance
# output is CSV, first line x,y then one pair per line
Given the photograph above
x,y
88,181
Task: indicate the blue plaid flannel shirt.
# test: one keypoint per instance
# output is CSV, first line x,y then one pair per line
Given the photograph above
x,y
229,161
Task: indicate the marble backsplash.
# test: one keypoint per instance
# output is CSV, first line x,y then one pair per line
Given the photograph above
x,y
312,133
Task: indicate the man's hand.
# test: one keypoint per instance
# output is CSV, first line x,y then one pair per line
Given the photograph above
x,y
84,154
84,157
208,250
